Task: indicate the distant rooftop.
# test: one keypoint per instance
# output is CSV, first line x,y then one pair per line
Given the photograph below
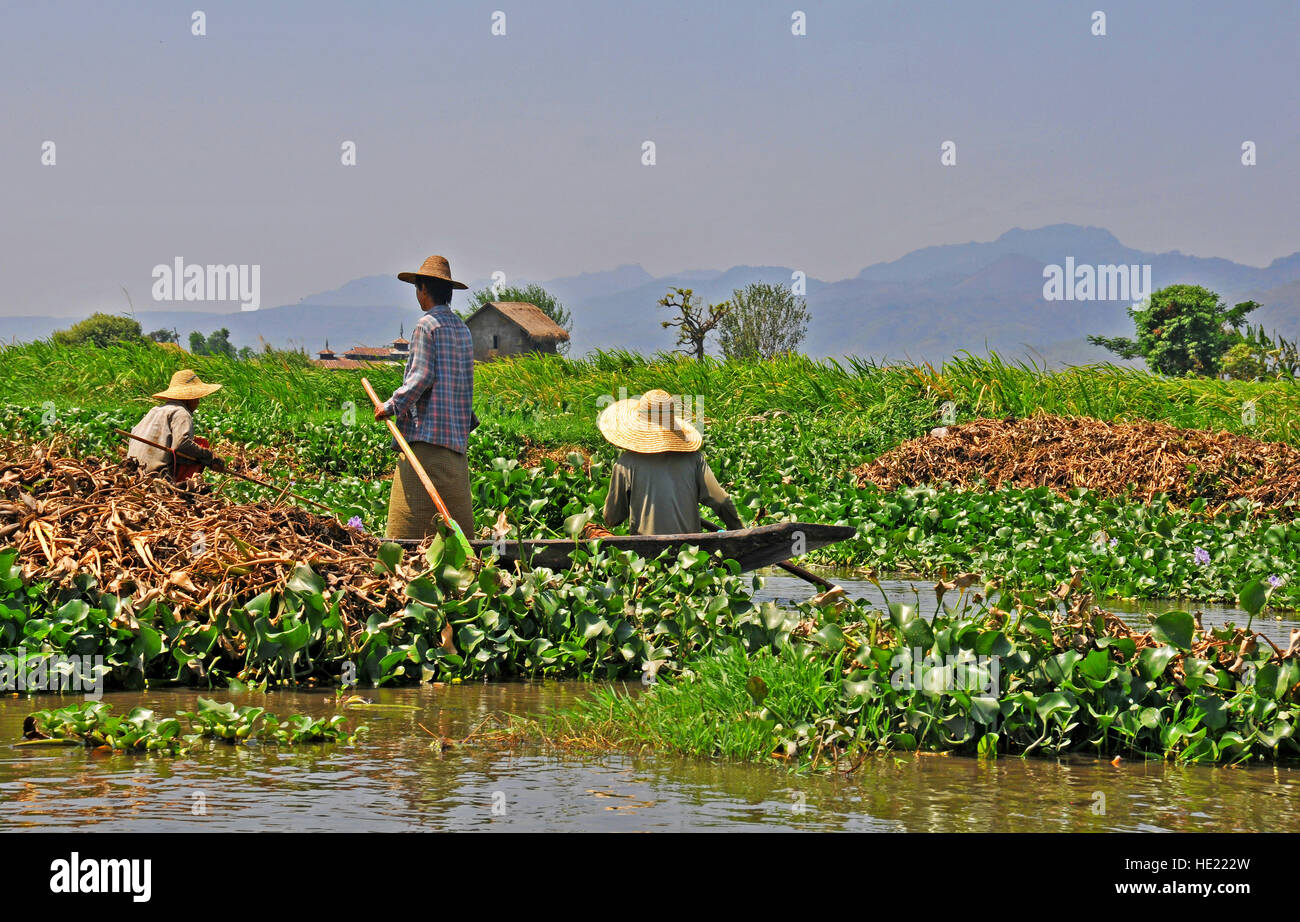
x,y
530,318
378,352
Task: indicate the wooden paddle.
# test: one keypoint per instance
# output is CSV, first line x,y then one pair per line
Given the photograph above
x,y
248,477
429,488
793,569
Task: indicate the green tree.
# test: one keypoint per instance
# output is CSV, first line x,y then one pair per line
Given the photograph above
x,y
101,330
694,322
764,321
1243,362
165,336
1184,329
531,294
219,343
198,343
1257,355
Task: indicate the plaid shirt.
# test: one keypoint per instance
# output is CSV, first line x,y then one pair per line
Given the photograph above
x,y
434,403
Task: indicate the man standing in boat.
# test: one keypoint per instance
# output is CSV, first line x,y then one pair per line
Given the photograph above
x,y
171,425
433,409
661,478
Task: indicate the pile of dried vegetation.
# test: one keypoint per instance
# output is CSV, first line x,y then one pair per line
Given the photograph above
x,y
1142,459
146,537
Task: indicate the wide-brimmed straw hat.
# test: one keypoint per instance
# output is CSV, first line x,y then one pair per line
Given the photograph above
x,y
651,424
435,267
186,386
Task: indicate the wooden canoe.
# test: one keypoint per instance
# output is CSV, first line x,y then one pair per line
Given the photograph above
x,y
752,548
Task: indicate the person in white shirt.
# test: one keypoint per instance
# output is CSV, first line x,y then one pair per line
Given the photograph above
x,y
171,423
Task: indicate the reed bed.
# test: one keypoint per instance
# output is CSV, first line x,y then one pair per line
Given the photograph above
x,y
286,386
271,385
977,386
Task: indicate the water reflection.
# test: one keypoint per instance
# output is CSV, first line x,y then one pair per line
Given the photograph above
x,y
782,587
395,780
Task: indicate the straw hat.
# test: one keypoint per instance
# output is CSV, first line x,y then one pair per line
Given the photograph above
x,y
186,386
651,425
435,267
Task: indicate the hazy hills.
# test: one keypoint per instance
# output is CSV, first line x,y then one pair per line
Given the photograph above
x,y
936,302
927,305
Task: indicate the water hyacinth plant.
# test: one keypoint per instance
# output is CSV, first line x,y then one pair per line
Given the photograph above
x,y
1069,678
602,619
94,724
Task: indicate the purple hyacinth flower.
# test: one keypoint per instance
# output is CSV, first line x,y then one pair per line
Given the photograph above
x,y
1201,556
1275,581
355,522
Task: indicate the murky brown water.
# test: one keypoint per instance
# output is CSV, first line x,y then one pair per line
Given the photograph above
x,y
392,780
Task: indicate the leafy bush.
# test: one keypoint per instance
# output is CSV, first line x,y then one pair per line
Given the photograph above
x,y
1184,329
99,330
1255,354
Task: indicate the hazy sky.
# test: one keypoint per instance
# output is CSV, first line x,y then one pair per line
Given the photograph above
x,y
523,152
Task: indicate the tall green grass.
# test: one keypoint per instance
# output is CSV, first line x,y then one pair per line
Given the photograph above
x,y
559,398
861,388
709,714
273,385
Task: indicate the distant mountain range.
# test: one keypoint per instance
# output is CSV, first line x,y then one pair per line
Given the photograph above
x,y
927,306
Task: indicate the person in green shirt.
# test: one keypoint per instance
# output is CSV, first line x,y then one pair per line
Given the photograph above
x,y
661,478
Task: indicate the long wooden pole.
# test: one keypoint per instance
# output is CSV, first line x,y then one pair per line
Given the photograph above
x,y
791,568
248,477
429,488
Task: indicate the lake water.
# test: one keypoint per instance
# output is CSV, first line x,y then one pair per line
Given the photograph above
x,y
781,587
393,780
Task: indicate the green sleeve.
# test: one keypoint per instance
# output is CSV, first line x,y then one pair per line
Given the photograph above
x,y
616,508
716,498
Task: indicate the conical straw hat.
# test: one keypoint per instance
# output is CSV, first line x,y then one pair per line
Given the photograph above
x,y
186,386
651,425
435,267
